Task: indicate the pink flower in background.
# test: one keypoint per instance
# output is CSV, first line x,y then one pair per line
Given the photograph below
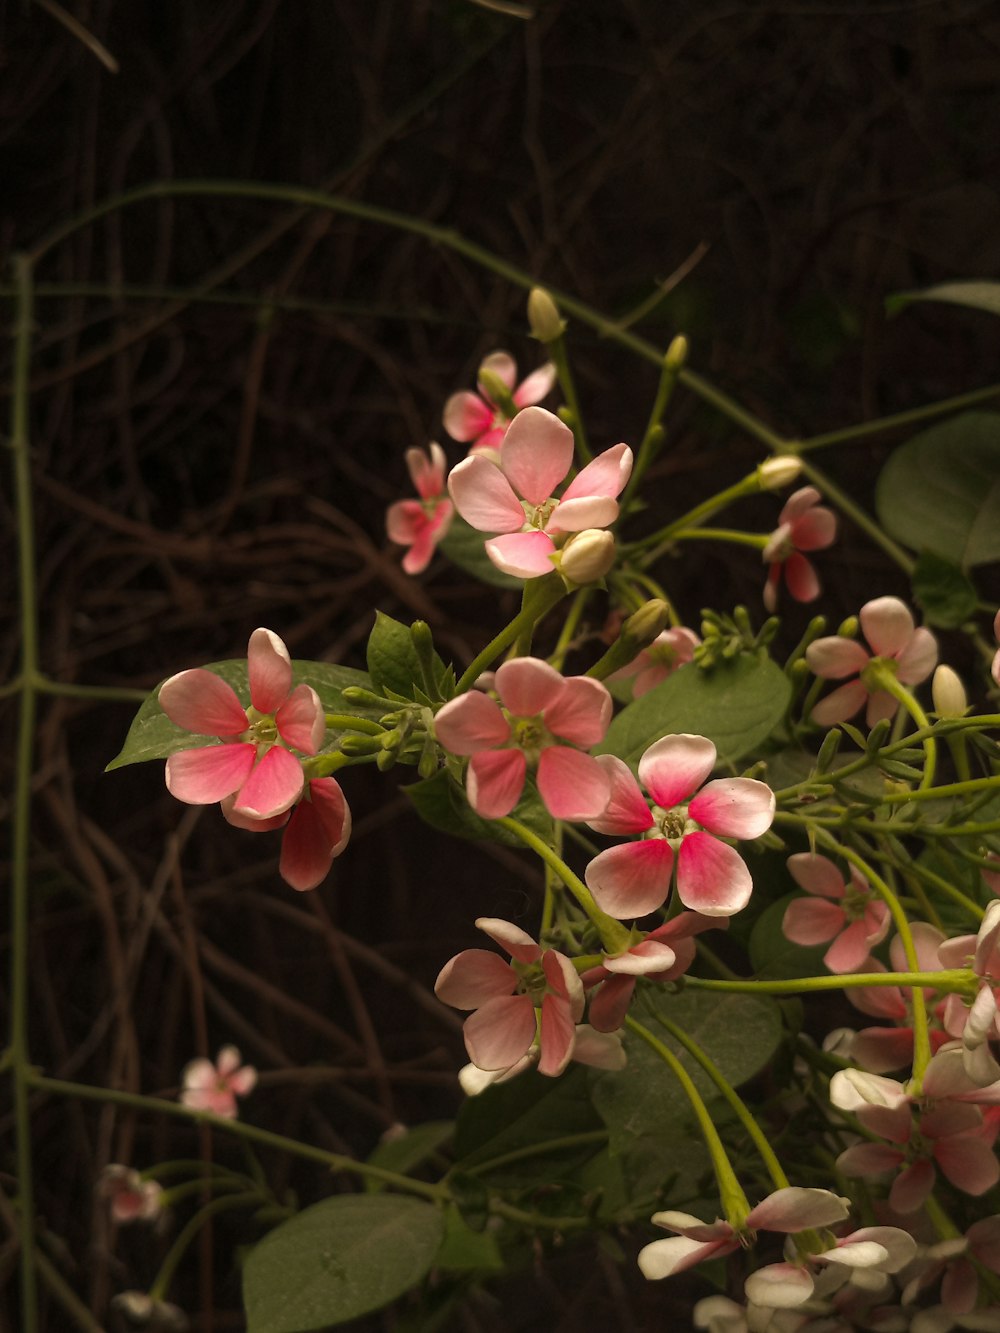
x,y
851,915
995,668
889,629
670,650
685,825
316,831
130,1198
253,763
501,1032
421,524
516,499
544,716
803,525
215,1087
477,418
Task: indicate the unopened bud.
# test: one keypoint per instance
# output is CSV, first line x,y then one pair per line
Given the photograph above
x,y
496,390
642,626
587,556
948,693
677,353
848,629
355,746
776,473
543,316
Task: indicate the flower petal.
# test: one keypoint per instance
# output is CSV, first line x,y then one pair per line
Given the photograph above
x,y
522,555
501,364
833,658
536,386
202,702
887,624
839,704
558,1036
270,670
274,785
801,578
674,767
779,1286
206,775
500,1032
301,720
494,783
317,833
816,874
527,685
483,496
632,879
572,785
581,712
662,1258
734,807
536,454
606,475
473,978
589,511
626,811
808,921
516,941
712,878
796,1208
471,722
466,416
919,658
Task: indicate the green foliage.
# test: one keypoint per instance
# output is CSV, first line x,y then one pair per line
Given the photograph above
x,y
394,664
465,546
975,295
947,596
776,958
412,1149
338,1260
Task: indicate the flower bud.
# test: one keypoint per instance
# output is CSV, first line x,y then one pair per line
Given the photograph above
x,y
677,353
948,693
642,626
776,473
587,556
495,389
543,316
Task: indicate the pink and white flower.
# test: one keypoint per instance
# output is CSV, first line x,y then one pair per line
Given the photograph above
x,y
477,418
669,651
421,524
537,994
910,653
851,916
516,499
215,1087
803,525
787,1286
598,1050
684,827
130,1198
316,831
995,665
254,763
543,718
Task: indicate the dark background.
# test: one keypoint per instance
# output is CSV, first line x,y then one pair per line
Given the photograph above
x,y
221,400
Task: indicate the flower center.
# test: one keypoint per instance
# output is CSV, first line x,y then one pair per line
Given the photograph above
x,y
671,824
530,735
538,515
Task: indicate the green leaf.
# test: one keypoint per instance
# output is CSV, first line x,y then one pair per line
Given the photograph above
x,y
948,596
977,295
465,546
737,705
441,802
410,1150
393,662
941,490
465,1250
338,1260
153,736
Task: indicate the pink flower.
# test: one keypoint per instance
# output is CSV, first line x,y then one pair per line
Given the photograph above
x,y
421,524
995,667
476,417
908,652
541,710
516,499
599,1050
254,762
785,1286
130,1198
803,525
852,916
669,651
316,831
712,878
505,996
215,1087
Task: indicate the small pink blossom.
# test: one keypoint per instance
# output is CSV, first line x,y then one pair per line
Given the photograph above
x,y
995,666
540,721
130,1198
851,916
910,653
803,525
669,651
254,763
421,524
868,1250
538,994
215,1087
476,417
685,826
316,831
516,499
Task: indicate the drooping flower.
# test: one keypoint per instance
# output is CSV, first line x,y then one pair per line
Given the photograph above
x,y
910,653
516,499
851,915
543,718
130,1198
670,650
215,1087
316,831
685,826
868,1250
505,996
803,525
421,524
255,761
599,1050
477,418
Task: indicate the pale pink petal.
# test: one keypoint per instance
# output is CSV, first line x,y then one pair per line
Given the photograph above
x,y
500,1032
816,874
808,921
927,940
522,555
301,720
734,807
662,1258
573,785
911,1187
899,1246
887,625
202,702
919,658
857,1254
600,1050
274,785
849,950
581,712
466,416
471,722
880,705
228,1061
626,811
853,1090
833,658
564,981
995,668
881,1050
984,1242
606,475
779,1286
969,1162
528,686
712,878
270,670
206,775
473,978
839,704
633,879
483,496
648,956
609,1005
536,386
674,767
199,1074
864,1160
557,1036
243,1080
516,941
536,454
795,1208
494,783
815,530
580,515
801,578
501,364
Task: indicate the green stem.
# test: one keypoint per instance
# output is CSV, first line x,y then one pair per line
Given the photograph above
x,y
161,1284
858,517
694,517
755,539
570,626
540,598
959,980
849,434
587,1139
652,441
887,680
557,351
536,1220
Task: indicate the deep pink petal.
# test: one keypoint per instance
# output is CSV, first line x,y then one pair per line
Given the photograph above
x,y
839,704
849,950
801,578
494,782
798,504
471,722
557,1036
483,496
674,767
626,811
816,874
270,670
712,878
528,686
581,712
536,386
301,720
466,416
274,785
607,475
206,775
573,785
427,470
734,807
516,941
810,921
418,557
202,702
499,1033
816,530
887,625
473,978
833,658
536,454
317,833
405,521
522,555
632,879
609,1004
919,658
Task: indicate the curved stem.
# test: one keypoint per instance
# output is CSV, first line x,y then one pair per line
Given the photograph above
x,y
886,679
957,980
538,600
161,1283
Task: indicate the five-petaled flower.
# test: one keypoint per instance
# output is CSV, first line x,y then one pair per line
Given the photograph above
x,y
316,831
516,499
909,653
477,418
421,524
130,1198
803,525
215,1087
684,826
543,717
850,915
669,651
254,763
